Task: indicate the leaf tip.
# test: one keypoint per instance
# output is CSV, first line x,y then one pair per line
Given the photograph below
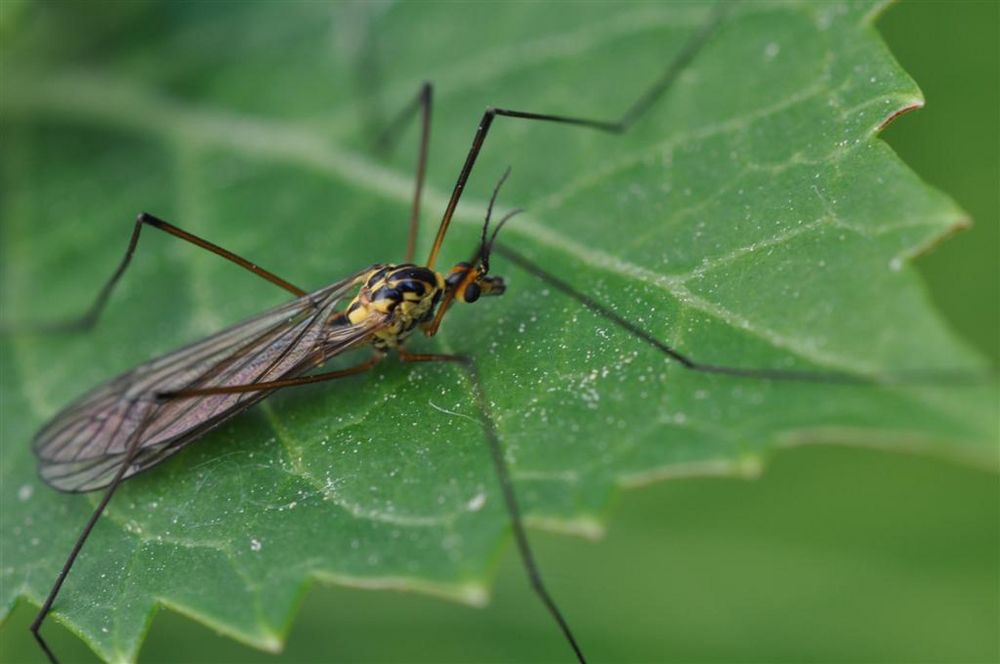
x,y
582,525
474,594
750,466
271,643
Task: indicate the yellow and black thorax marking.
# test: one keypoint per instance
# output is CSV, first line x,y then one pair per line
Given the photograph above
x,y
406,293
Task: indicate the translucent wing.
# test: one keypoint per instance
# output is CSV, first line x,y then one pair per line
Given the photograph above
x,y
83,446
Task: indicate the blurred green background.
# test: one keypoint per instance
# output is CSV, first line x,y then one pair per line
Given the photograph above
x,y
887,558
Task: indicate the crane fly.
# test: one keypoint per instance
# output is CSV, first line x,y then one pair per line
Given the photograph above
x,y
147,414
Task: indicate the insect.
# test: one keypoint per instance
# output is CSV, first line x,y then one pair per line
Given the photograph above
x,y
155,415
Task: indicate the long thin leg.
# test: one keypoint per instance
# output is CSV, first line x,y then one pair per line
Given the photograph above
x,y
273,384
955,377
506,486
89,318
132,448
628,118
368,81
387,140
500,464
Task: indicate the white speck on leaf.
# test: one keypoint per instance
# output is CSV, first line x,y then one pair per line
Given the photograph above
x,y
476,502
25,492
255,545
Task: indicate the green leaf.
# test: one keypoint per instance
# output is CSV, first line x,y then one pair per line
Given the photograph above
x,y
751,218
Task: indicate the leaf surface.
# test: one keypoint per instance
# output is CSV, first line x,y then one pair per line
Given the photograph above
x,y
751,218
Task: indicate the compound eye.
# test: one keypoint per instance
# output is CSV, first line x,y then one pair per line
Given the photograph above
x,y
471,292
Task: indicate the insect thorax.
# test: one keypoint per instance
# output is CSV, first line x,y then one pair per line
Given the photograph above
x,y
407,293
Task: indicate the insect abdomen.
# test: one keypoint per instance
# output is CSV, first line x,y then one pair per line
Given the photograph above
x,y
408,293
